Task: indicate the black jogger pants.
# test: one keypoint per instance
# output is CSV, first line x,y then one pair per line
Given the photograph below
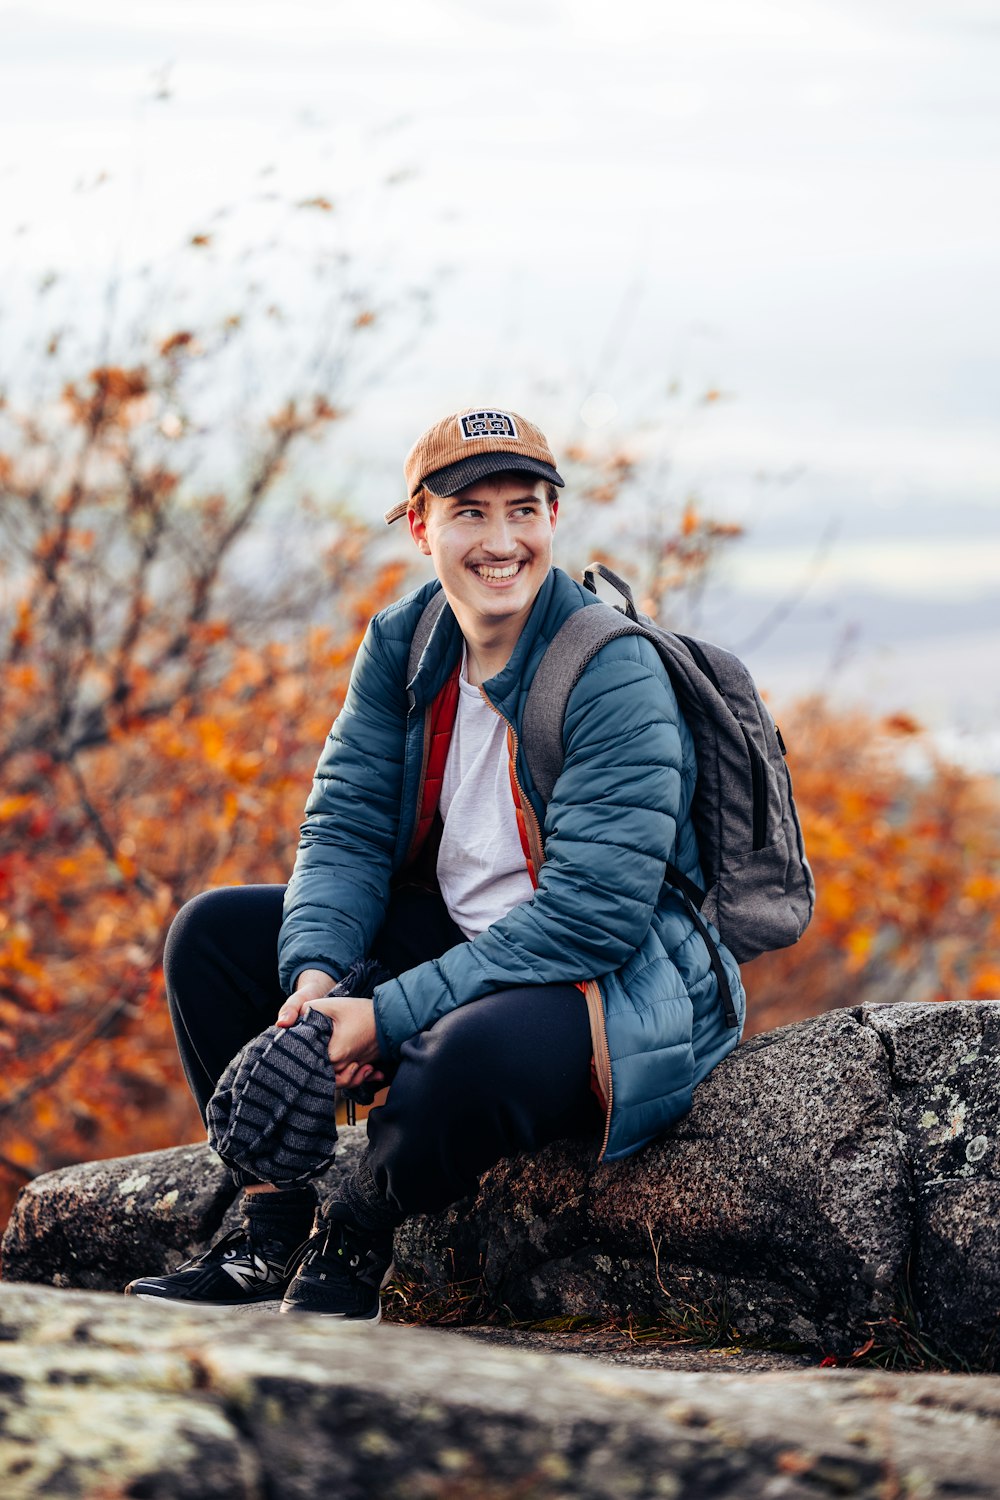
x,y
501,1075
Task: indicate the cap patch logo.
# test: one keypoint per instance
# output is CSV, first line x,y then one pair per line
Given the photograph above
x,y
488,424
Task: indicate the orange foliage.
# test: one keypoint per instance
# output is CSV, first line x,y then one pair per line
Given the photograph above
x,y
110,393
95,863
160,718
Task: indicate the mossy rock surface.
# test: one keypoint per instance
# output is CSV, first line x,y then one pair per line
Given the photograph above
x,y
100,1395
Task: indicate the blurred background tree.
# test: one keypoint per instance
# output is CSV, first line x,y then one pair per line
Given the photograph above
x,y
178,617
171,656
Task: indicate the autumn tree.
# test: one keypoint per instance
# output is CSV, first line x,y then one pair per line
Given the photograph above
x,y
171,655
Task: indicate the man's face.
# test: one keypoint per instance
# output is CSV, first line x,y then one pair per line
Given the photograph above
x,y
491,545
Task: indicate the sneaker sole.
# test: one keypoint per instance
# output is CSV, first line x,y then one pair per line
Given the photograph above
x,y
291,1311
266,1302
290,1308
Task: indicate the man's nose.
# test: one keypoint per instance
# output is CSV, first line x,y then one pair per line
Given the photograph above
x,y
499,539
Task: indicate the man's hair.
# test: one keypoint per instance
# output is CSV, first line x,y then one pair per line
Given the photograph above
x,y
423,496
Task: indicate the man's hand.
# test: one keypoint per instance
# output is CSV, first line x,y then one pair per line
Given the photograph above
x,y
310,985
353,1048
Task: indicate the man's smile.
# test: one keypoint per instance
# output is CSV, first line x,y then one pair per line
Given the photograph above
x,y
494,573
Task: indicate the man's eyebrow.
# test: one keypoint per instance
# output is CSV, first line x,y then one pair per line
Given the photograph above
x,y
459,502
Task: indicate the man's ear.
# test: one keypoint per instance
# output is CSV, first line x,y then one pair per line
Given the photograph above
x,y
553,513
418,531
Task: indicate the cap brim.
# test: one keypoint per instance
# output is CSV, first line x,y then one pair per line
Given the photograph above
x,y
455,477
448,481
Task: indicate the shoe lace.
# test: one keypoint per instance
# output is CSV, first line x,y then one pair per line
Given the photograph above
x,y
334,1247
317,1247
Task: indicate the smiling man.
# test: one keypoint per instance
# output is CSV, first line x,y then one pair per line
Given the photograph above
x,y
516,972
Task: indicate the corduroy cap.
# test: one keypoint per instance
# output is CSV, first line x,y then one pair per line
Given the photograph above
x,y
471,445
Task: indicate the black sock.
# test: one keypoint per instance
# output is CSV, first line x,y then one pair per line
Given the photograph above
x,y
358,1200
283,1217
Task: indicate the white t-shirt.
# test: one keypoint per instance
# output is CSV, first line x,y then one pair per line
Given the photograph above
x,y
480,867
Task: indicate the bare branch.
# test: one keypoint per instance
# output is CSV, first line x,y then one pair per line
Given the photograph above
x,y
101,832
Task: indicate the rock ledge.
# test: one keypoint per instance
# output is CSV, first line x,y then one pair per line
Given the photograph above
x,y
103,1396
836,1180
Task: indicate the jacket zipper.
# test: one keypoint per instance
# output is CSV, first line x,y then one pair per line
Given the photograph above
x,y
424,758
530,821
591,989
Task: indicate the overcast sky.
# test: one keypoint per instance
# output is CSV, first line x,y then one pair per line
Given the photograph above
x,y
793,201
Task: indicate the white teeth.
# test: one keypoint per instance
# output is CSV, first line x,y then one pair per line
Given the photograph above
x,y
507,572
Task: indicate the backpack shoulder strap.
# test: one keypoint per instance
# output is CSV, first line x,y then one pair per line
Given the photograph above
x,y
578,639
422,634
571,648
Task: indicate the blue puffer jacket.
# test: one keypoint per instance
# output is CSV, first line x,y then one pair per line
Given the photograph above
x,y
601,912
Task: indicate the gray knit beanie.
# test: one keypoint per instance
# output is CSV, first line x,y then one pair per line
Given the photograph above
x,y
272,1117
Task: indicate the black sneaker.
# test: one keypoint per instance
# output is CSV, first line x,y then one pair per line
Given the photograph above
x,y
234,1272
339,1273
